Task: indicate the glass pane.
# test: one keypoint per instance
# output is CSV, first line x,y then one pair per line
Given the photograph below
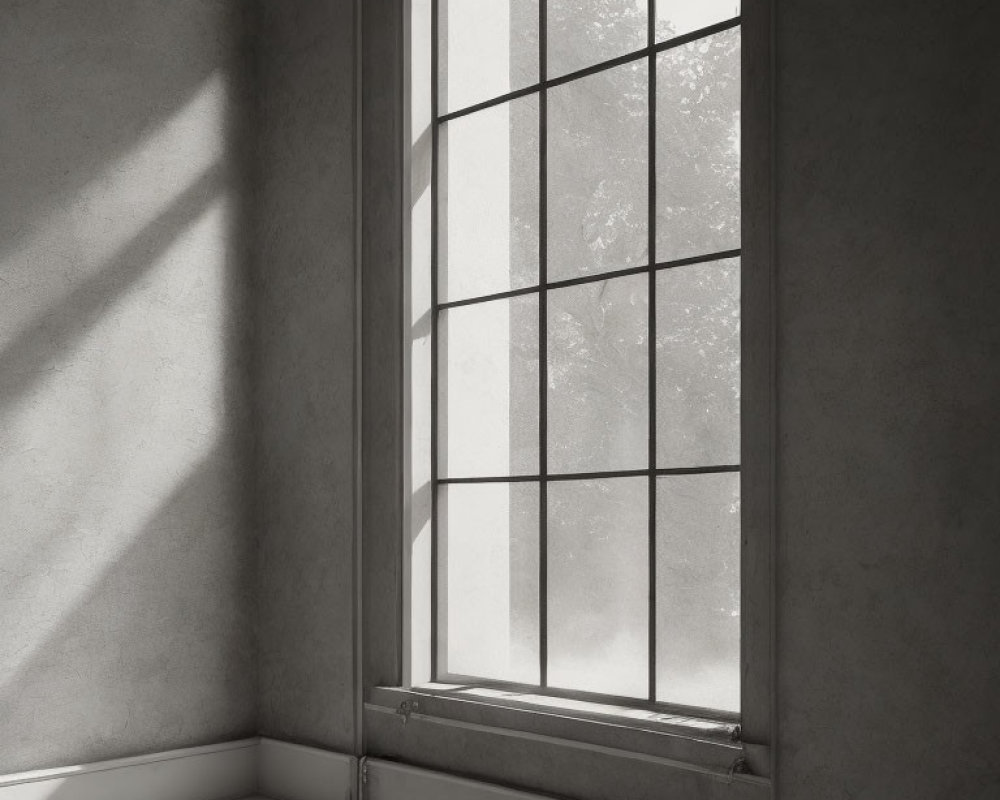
x,y
488,204
597,173
488,389
677,17
488,551
487,49
698,147
698,364
586,32
598,583
698,590
598,376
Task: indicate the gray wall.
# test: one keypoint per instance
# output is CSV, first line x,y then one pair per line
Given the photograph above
x,y
888,344
126,558
304,387
151,311
126,554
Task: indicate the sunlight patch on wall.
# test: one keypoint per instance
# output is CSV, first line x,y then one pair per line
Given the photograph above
x,y
116,425
114,321
40,787
87,229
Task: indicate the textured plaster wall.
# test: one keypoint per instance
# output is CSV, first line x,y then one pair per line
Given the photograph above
x,y
889,339
126,559
304,382
127,578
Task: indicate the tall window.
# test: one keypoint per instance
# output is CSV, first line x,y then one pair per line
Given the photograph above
x,y
584,348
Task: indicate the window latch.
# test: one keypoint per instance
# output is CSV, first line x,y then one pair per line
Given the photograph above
x,y
406,708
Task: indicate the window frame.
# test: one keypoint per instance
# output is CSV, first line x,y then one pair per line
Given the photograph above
x,y
385,696
543,290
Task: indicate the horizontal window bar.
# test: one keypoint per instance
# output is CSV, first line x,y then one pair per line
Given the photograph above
x,y
696,470
486,298
722,255
598,276
490,479
611,63
701,33
593,69
590,476
493,101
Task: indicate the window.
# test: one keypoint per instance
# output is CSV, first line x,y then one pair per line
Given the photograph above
x,y
503,733
575,366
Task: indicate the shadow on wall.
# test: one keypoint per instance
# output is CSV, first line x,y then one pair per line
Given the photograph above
x,y
126,558
34,349
153,654
82,85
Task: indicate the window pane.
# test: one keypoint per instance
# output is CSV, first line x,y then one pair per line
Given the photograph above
x,y
698,147
698,364
585,32
488,205
698,590
486,49
677,17
488,384
598,173
598,606
488,550
598,376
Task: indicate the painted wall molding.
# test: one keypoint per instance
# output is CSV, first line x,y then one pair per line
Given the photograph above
x,y
248,769
225,771
294,772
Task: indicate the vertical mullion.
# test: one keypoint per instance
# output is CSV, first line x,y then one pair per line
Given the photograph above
x,y
543,354
651,341
435,125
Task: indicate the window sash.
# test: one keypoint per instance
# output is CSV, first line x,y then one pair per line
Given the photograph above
x,y
438,670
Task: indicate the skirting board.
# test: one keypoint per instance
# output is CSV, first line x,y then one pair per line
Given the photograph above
x,y
225,771
249,768
293,772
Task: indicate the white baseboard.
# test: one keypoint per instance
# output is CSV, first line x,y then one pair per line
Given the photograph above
x,y
293,772
225,771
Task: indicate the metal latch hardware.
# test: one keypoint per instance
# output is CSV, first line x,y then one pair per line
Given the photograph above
x,y
406,708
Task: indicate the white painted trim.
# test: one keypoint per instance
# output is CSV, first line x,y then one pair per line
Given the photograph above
x,y
294,772
226,771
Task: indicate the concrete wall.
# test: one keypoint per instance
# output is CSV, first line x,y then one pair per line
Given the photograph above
x,y
126,558
888,340
304,384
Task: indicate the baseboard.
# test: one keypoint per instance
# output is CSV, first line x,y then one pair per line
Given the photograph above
x,y
226,771
294,772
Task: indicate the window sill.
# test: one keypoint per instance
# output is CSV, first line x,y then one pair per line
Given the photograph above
x,y
688,743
